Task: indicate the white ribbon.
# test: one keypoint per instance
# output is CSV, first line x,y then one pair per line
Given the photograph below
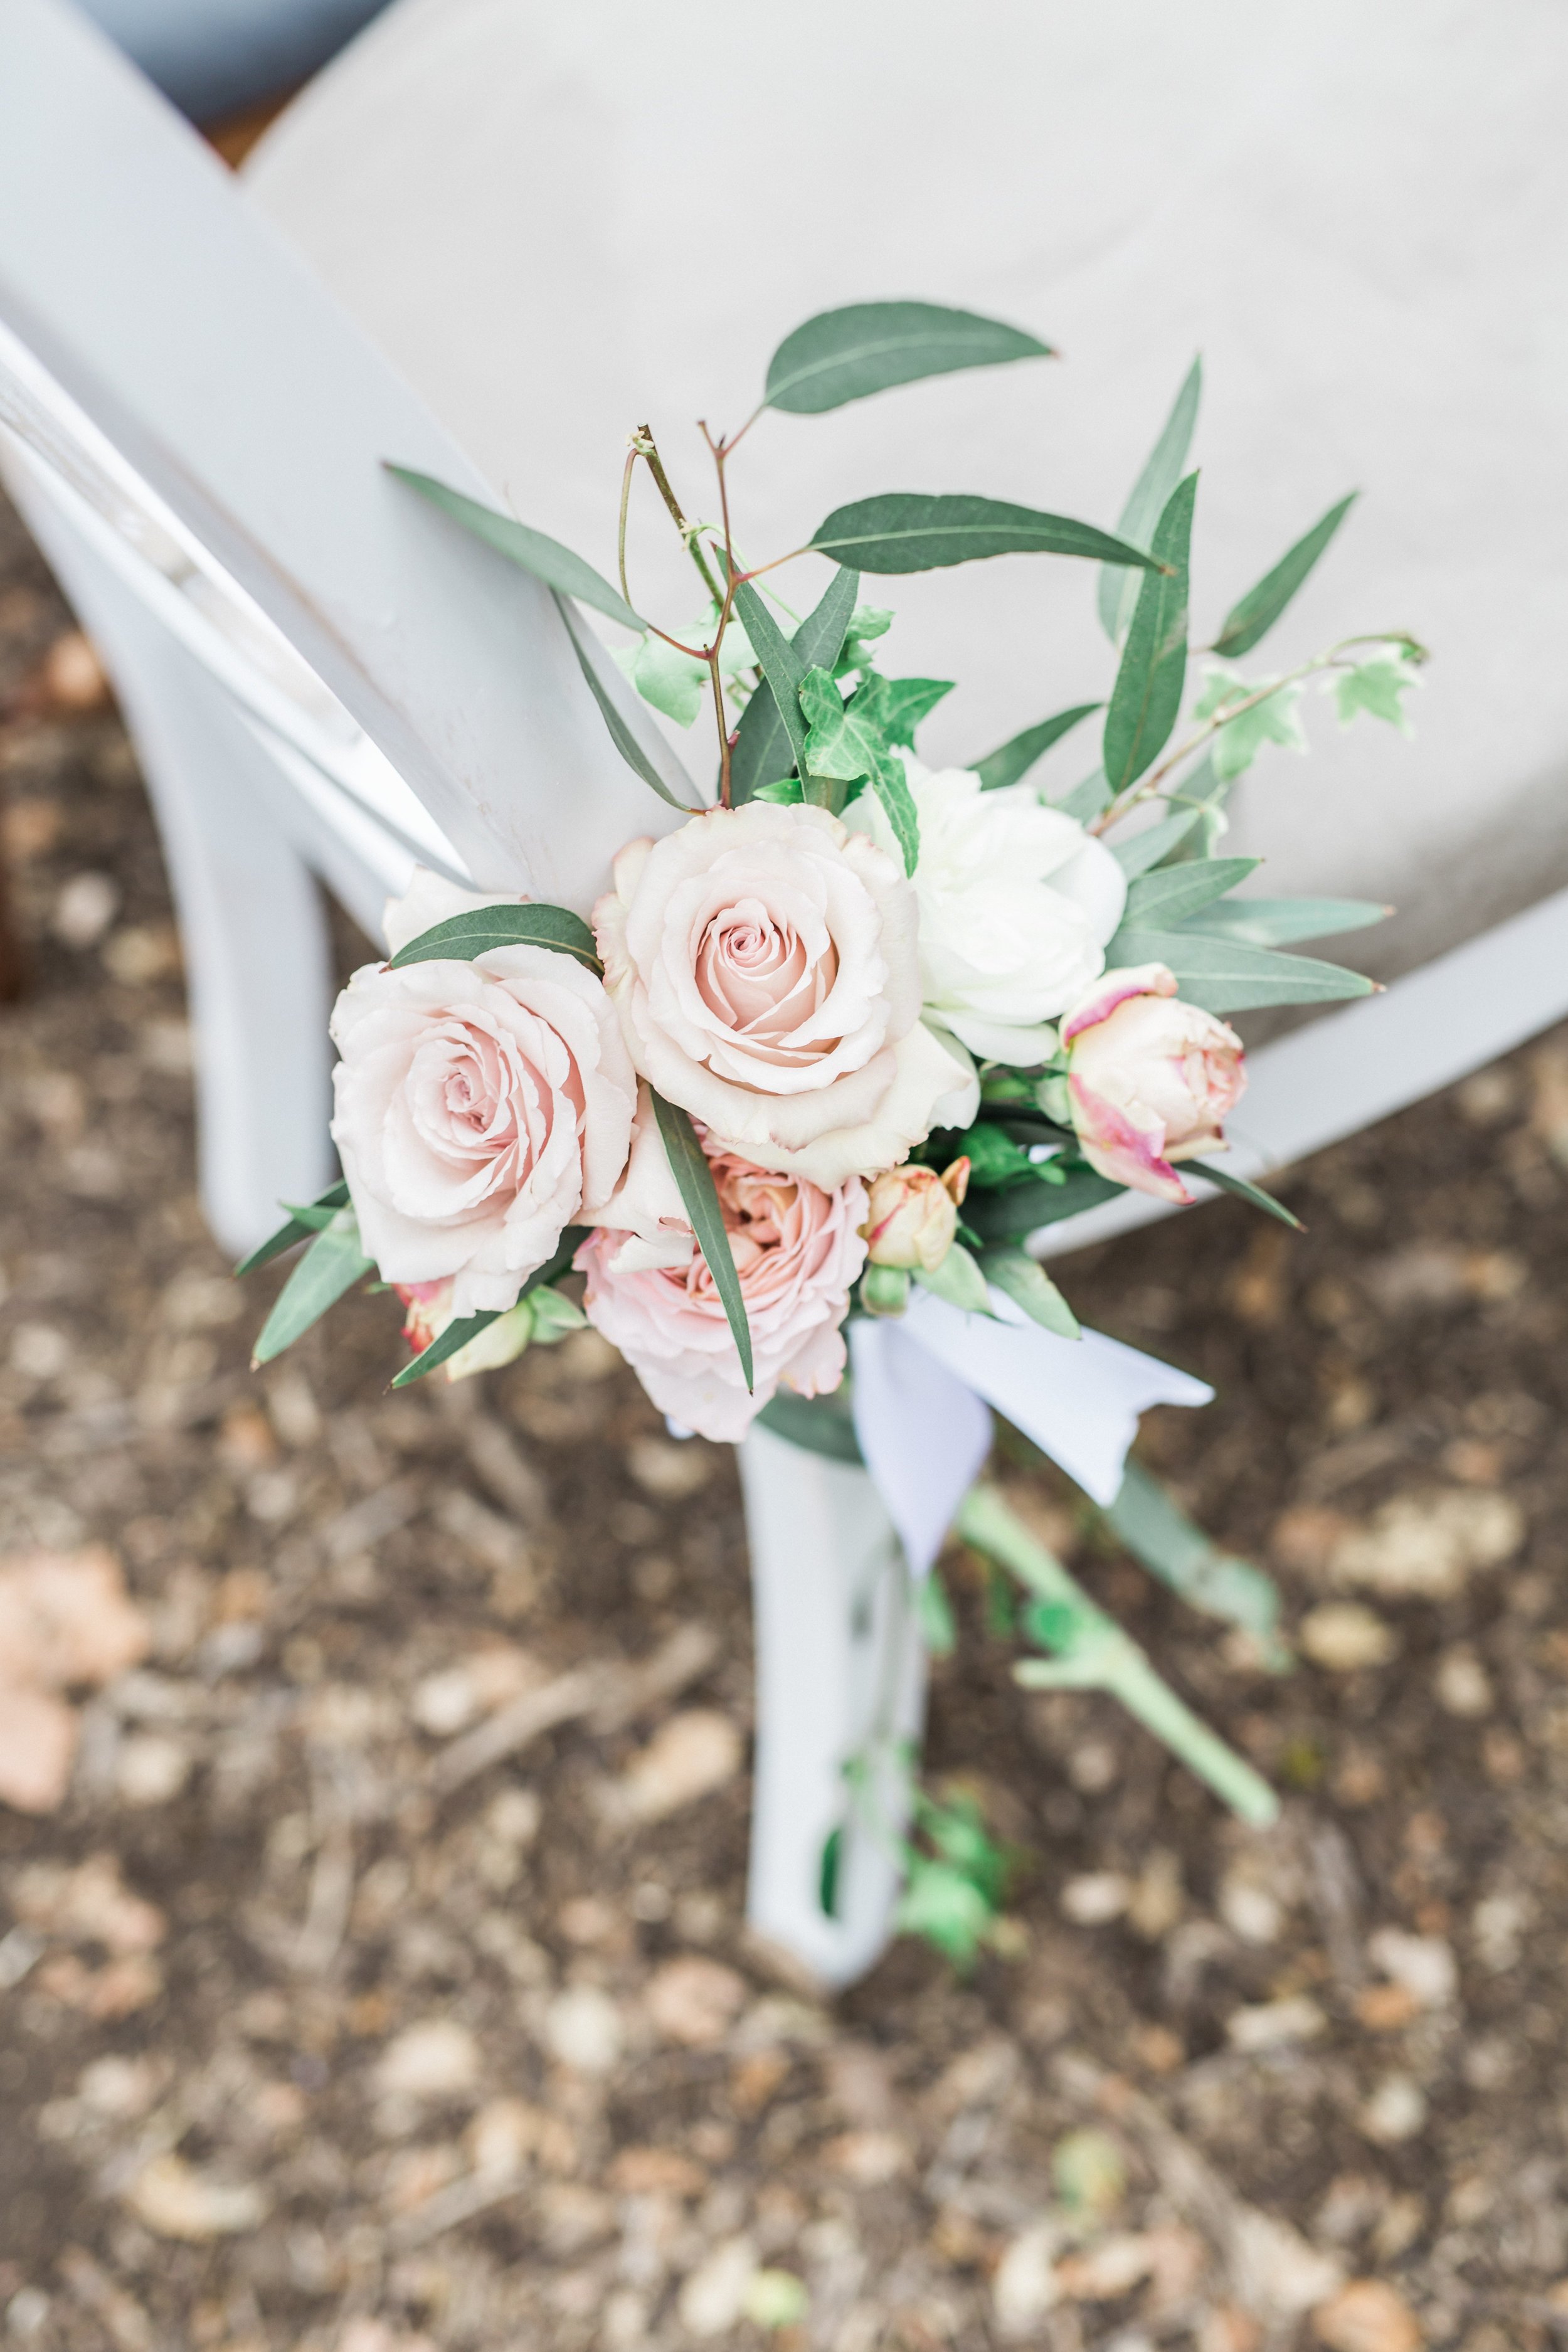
x,y
923,1383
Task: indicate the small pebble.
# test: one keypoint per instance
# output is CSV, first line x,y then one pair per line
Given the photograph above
x,y
1395,2111
1347,1638
436,2059
583,2029
1097,1896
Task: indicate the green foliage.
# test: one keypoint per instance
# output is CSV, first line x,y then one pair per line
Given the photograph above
x,y
694,1180
467,1328
994,1158
1023,1280
775,2299
851,741
1087,799
1023,1209
1277,923
828,1871
870,622
1258,610
958,1280
1118,588
933,1611
621,735
764,746
332,1263
953,1893
1173,893
1155,843
1225,975
548,560
1156,1532
906,530
1379,687
867,347
478,929
782,667
1147,694
1013,758
820,1425
1089,2173
1228,1183
302,1222
677,683
1275,719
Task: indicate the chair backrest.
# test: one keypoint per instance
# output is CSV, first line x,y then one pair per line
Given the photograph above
x,y
204,394
559,222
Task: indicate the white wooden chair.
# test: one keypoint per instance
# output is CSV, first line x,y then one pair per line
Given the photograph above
x,y
324,679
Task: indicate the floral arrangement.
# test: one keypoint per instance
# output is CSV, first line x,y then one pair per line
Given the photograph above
x,y
858,1028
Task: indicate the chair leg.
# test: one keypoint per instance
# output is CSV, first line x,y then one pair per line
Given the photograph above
x,y
840,1674
252,923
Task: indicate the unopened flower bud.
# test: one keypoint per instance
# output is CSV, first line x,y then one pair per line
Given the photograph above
x,y
884,1290
914,1217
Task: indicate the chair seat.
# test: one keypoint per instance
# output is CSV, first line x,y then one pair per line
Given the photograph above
x,y
531,212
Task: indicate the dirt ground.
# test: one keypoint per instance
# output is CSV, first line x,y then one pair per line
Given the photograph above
x,y
306,2039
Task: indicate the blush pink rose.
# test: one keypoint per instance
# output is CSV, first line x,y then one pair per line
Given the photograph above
x,y
764,962
1152,1080
797,1250
480,1107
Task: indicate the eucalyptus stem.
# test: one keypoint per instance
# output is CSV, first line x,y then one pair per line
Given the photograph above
x,y
1093,1652
644,447
633,454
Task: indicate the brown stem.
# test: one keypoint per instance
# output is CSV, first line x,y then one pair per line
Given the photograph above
x,y
645,447
632,456
724,730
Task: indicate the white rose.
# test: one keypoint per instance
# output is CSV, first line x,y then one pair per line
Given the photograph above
x,y
764,965
481,1108
1016,903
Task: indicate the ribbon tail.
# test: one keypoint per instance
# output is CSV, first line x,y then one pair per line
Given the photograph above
x,y
922,1430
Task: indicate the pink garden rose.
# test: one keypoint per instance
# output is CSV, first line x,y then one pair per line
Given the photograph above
x,y
1151,1079
480,1107
797,1250
764,963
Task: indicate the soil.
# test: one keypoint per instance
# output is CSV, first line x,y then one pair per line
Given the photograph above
x,y
303,2045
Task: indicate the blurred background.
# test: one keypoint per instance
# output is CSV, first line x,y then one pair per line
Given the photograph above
x,y
318,2030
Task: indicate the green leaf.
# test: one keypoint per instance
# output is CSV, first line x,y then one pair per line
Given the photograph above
x,y
1118,588
934,1612
1023,1209
1377,687
764,746
1162,899
548,560
461,938
1089,798
1019,754
1155,843
842,355
847,741
870,622
621,735
902,703
946,1908
1227,976
1261,606
333,1264
994,1158
787,792
782,667
1147,695
958,1280
906,530
1148,1523
694,1179
1275,719
1276,922
817,1424
297,1230
828,1871
1025,1281
457,1334
1259,1199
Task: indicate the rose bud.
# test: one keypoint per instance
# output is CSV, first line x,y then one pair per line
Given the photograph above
x,y
914,1215
1150,1079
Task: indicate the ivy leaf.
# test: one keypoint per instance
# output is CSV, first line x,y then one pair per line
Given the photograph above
x,y
1118,588
849,740
1012,759
1261,606
548,560
867,347
870,622
906,530
477,930
334,1262
1376,686
298,1228
764,745
1275,719
901,703
1162,899
694,1179
1147,694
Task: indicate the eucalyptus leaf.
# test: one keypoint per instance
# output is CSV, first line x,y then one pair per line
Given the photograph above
x,y
867,347
475,932
334,1262
1162,899
1013,758
1021,1209
1089,798
1147,695
694,1180
1225,975
1025,1280
548,560
1243,1191
1155,843
298,1229
466,1327
783,666
818,1425
1277,923
764,748
1118,588
621,735
1258,610
1160,1534
908,530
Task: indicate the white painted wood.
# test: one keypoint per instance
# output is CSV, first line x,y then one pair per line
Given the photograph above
x,y
840,1673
